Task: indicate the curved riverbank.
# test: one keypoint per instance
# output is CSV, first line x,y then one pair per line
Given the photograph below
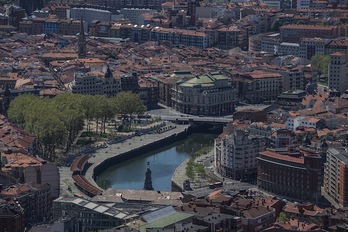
x,y
131,148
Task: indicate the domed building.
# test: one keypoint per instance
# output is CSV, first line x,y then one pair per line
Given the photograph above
x,y
208,95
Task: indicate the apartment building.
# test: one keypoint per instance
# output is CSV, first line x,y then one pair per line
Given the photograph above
x,y
134,14
337,45
337,75
312,46
235,153
94,83
291,175
89,14
336,176
60,10
209,94
258,86
35,199
293,33
11,216
180,37
293,123
230,37
266,42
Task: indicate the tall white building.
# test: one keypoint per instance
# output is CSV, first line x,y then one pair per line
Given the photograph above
x,y
236,152
338,72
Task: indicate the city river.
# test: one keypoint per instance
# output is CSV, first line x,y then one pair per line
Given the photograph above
x,y
163,162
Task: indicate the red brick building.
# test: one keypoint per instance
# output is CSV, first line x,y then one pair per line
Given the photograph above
x,y
292,175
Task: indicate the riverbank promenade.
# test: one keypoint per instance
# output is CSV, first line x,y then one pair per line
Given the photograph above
x,y
116,149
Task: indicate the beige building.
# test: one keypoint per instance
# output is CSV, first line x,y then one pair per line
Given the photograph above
x,y
94,83
338,72
209,94
258,86
236,151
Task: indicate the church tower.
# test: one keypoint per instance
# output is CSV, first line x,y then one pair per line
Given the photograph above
x,y
148,181
81,42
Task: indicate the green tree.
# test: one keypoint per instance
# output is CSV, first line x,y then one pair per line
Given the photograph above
x,y
89,104
322,62
275,25
282,217
44,121
127,104
19,107
105,110
72,114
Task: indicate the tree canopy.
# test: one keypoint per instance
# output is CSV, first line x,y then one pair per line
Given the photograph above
x,y
56,123
322,62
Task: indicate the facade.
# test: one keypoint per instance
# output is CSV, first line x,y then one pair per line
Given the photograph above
x,y
286,48
134,14
266,42
337,45
283,138
209,94
338,72
180,37
293,123
148,93
290,175
51,26
219,222
303,4
312,46
166,83
129,82
35,200
29,169
258,86
235,153
89,14
92,84
336,176
229,37
11,217
293,33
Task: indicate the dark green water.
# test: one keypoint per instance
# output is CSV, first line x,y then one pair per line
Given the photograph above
x,y
163,162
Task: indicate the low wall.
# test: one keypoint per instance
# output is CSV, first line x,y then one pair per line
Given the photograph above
x,y
138,151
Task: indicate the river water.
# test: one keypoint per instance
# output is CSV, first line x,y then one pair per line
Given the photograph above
x,y
163,162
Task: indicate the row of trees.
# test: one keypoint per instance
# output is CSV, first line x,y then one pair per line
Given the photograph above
x,y
57,122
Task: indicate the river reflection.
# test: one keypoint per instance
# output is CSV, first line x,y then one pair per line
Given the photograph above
x,y
163,162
